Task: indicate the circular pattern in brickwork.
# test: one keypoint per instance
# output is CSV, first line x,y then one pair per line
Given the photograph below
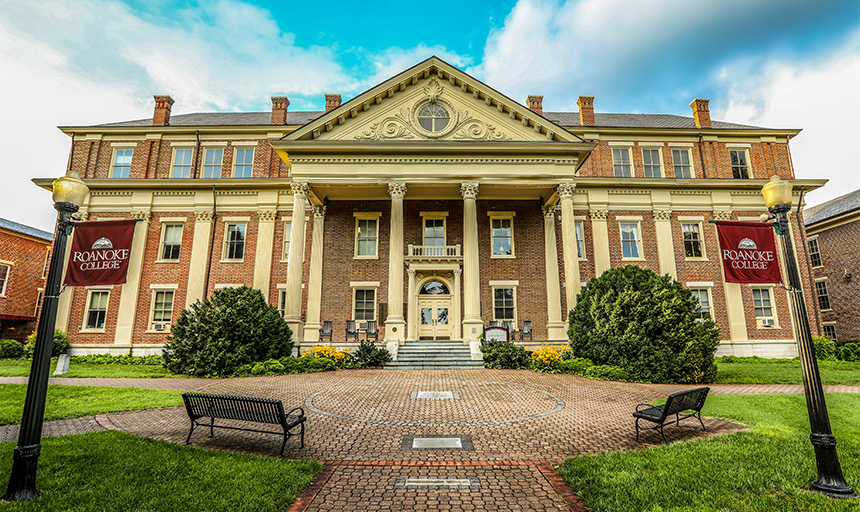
x,y
482,402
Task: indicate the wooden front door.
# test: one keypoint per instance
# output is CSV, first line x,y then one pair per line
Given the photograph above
x,y
433,318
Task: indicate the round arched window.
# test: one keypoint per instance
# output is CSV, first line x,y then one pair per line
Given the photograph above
x,y
434,288
433,117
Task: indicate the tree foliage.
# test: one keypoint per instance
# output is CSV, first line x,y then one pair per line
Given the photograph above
x,y
215,336
646,324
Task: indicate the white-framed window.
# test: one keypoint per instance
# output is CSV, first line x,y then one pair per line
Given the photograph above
x,y
97,303
282,299
243,162
434,234
234,241
505,303
212,159
39,298
682,163
703,296
47,263
814,252
502,234
5,270
121,165
631,240
366,234
652,162
364,304
285,250
694,245
821,291
161,310
579,231
182,162
830,330
763,305
171,241
622,162
740,163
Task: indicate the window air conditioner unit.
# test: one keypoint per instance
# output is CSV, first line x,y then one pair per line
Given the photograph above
x,y
158,327
767,322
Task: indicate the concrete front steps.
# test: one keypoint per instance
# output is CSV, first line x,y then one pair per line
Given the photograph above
x,y
434,355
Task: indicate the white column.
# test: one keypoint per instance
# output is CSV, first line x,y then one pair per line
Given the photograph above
x,y
131,288
312,328
199,256
412,301
293,312
555,326
472,322
455,314
263,250
665,245
395,325
572,281
734,299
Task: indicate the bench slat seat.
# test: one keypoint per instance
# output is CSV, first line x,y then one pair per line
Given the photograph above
x,y
677,403
243,408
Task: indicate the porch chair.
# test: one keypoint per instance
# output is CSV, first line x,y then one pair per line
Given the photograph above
x,y
509,325
494,323
351,330
371,331
527,330
325,332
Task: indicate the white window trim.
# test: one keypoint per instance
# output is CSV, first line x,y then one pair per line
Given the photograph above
x,y
88,305
823,280
227,223
746,149
206,147
710,297
365,216
769,288
580,220
221,286
369,285
503,285
628,220
236,148
114,149
689,150
629,148
651,144
642,148
164,224
243,143
282,293
502,215
809,239
829,324
704,256
183,144
176,149
285,254
8,275
435,216
40,298
155,288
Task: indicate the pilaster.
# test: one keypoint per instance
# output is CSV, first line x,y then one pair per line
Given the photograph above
x,y
600,234
293,310
665,243
555,325
131,288
263,253
312,328
395,324
199,256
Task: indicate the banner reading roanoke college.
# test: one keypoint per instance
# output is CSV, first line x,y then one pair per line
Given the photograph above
x,y
748,251
100,253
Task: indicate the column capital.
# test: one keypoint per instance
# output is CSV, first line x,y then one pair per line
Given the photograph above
x,y
722,215
549,210
599,213
565,190
300,188
267,215
319,211
141,214
411,272
83,214
663,214
397,190
457,272
469,190
203,215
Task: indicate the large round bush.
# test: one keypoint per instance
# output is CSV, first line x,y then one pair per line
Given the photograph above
x,y
215,336
61,343
646,324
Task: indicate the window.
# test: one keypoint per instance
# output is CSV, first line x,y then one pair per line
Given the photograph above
x,y
365,304
47,263
39,299
578,229
433,117
740,165
97,309
288,228
366,236
171,241
434,232
182,162
502,234
681,161
704,309
823,298
282,301
830,331
630,240
212,158
243,163
234,242
814,252
621,162
652,166
162,307
504,304
762,303
434,288
121,163
4,278
692,240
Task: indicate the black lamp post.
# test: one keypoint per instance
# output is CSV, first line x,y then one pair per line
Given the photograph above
x,y
69,193
830,482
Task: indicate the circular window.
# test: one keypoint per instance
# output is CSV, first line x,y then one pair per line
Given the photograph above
x,y
433,117
434,288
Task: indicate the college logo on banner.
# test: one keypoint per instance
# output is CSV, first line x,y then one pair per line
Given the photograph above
x,y
748,251
100,253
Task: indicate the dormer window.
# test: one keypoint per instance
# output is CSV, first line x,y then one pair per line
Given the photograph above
x,y
433,117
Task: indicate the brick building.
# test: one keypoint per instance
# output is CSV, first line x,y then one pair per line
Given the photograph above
x,y
430,203
833,235
24,257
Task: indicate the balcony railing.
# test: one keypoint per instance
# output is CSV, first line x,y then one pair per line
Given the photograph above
x,y
434,252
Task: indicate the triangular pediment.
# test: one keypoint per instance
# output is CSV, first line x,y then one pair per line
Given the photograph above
x,y
432,101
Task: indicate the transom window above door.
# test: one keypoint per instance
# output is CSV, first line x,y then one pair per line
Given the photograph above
x,y
434,288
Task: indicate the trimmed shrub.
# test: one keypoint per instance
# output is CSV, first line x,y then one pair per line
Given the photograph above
x,y
825,348
607,372
368,354
576,366
342,358
11,349
646,324
850,352
217,335
150,360
285,366
504,355
61,343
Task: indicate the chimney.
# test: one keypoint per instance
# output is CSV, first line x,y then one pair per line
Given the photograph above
x,y
701,114
586,110
161,116
535,104
279,109
332,101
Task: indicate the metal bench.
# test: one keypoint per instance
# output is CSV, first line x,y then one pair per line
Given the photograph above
x,y
242,408
677,403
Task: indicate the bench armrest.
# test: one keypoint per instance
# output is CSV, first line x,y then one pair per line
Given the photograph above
x,y
645,405
301,411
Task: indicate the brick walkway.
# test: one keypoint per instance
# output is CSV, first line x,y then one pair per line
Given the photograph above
x,y
519,423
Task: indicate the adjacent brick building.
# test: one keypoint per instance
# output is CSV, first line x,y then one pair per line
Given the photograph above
x,y
431,203
833,237
24,257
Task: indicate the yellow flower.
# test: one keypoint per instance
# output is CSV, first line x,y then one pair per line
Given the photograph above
x,y
329,351
549,354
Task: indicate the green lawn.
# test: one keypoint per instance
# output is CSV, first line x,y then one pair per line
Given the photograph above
x,y
749,370
763,469
21,368
118,471
65,402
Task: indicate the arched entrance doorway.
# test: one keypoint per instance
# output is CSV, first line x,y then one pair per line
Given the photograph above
x,y
434,310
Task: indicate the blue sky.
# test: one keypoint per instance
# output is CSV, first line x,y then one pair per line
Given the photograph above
x,y
775,63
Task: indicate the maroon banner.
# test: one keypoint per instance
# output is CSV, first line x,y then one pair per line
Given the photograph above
x,y
100,253
748,251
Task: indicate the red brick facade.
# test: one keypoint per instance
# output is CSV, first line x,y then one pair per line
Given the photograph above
x,y
23,270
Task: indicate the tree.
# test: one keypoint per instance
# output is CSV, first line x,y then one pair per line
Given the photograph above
x,y
647,324
215,336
